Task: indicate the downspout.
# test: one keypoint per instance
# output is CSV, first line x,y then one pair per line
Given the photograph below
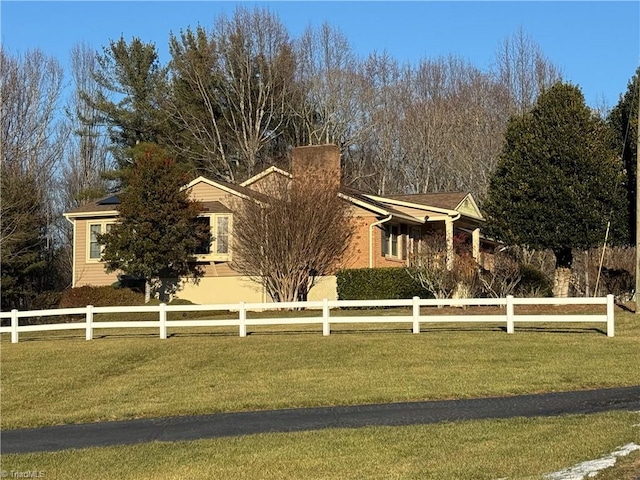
x,y
375,224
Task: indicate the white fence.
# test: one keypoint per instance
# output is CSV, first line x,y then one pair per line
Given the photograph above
x,y
418,317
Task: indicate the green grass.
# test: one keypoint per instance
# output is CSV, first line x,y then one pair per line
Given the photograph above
x,y
487,449
58,377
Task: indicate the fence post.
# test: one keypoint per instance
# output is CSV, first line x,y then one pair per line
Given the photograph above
x,y
243,320
510,314
163,321
610,315
416,314
326,330
14,326
89,321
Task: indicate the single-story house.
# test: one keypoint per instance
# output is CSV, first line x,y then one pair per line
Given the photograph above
x,y
389,228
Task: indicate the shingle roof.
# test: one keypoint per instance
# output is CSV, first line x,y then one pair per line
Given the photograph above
x,y
447,200
105,204
362,197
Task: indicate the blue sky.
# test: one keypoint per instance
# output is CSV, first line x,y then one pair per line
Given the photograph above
x,y
596,44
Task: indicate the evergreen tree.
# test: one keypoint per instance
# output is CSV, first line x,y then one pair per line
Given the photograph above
x,y
23,244
623,119
131,81
558,182
157,230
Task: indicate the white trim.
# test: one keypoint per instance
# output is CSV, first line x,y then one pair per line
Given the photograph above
x,y
216,185
438,218
264,173
413,205
375,224
400,247
96,214
381,211
213,226
103,230
475,206
73,253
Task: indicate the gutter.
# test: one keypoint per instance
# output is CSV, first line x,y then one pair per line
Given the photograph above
x,y
375,224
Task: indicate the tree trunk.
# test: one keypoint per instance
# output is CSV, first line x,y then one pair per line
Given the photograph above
x,y
564,259
147,290
561,282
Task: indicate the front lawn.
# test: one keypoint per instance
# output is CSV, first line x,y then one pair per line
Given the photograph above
x,y
58,377
486,449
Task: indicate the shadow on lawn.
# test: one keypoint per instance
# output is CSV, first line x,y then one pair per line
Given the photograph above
x,y
341,330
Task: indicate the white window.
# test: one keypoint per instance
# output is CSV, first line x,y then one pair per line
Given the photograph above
x,y
391,241
219,248
95,228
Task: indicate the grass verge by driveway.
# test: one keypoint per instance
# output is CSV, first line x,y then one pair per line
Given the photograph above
x,y
56,378
488,449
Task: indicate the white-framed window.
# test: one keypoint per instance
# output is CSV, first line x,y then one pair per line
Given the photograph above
x,y
219,248
95,228
391,244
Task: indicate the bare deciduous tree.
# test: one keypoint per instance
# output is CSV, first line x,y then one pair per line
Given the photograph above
x,y
429,267
31,143
238,81
287,242
383,98
504,276
87,156
326,74
524,70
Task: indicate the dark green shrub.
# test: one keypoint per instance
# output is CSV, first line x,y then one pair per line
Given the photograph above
x,y
617,281
377,283
100,297
534,283
46,300
125,281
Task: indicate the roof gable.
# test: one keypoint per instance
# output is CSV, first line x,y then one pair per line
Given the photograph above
x,y
446,202
265,173
223,188
469,207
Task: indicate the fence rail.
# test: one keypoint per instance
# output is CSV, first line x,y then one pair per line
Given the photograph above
x,y
416,318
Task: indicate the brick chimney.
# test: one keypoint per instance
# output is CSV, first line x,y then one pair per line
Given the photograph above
x,y
321,161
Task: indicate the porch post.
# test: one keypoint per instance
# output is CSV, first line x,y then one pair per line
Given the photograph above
x,y
449,239
475,238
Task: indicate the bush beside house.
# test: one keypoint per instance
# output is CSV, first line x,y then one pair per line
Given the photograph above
x,y
377,283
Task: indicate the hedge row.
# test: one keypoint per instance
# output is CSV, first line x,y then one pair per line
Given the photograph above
x,y
100,297
377,283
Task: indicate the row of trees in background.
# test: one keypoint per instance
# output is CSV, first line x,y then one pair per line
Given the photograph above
x,y
238,96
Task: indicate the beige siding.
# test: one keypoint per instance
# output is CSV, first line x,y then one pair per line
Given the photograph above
x,y
467,208
207,193
86,272
273,182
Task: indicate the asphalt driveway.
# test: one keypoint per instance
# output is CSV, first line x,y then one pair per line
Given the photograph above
x,y
172,429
